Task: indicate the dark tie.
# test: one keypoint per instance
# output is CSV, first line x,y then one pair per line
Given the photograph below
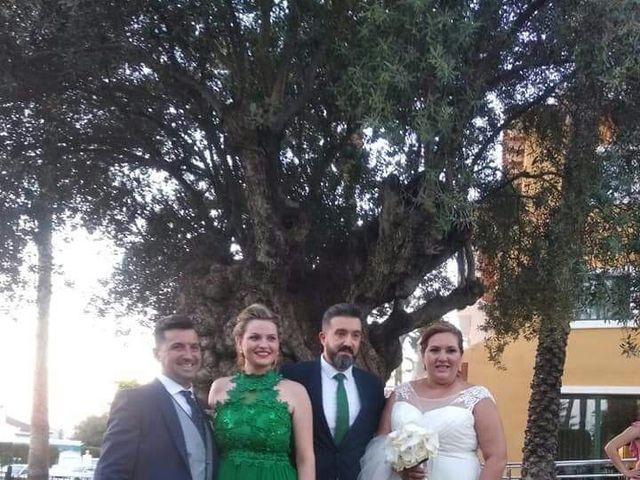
x,y
342,410
196,412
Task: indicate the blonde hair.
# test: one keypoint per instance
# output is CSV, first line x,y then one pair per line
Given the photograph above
x,y
255,311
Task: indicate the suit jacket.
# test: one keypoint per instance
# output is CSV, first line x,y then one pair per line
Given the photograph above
x,y
341,462
144,439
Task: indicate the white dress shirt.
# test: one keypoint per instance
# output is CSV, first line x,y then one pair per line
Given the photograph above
x,y
174,389
329,391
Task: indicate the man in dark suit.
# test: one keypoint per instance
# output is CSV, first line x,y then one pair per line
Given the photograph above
x,y
347,402
158,431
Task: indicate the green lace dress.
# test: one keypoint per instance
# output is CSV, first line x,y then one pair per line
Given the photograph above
x,y
253,431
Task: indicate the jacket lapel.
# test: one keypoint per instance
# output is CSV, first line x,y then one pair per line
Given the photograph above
x,y
170,417
315,393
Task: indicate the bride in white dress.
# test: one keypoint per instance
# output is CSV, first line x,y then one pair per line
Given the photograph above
x,y
464,416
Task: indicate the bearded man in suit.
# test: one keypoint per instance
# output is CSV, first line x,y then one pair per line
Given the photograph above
x,y
347,401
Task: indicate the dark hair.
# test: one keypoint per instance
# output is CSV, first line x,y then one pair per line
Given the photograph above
x,y
440,327
172,322
340,310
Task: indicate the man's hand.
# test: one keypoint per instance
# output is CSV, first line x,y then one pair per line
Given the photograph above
x,y
413,473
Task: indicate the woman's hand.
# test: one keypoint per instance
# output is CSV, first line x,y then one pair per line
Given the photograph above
x,y
634,473
413,473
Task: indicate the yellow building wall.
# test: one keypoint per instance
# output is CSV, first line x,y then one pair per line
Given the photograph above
x,y
593,358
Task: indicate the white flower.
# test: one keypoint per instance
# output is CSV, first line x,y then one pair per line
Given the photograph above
x,y
410,445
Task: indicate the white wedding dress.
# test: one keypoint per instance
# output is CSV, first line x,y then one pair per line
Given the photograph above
x,y
451,418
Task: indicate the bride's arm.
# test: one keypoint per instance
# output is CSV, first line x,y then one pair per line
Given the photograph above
x,y
491,439
384,425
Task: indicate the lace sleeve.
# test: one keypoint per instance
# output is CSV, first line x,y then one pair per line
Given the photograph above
x,y
473,395
403,392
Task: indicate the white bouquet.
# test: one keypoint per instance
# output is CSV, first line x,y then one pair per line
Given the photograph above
x,y
410,445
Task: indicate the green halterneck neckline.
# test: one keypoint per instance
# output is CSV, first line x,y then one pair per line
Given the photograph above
x,y
256,381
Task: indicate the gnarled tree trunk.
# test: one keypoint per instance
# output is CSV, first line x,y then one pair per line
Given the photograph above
x,y
381,262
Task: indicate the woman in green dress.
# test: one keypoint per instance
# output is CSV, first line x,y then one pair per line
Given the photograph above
x,y
262,422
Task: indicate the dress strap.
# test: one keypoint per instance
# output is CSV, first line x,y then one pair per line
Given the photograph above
x,y
472,395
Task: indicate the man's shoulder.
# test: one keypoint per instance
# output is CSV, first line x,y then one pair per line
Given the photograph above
x,y
298,366
368,377
141,391
291,370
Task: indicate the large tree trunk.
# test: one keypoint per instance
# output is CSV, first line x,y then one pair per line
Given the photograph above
x,y
301,315
541,447
380,263
39,440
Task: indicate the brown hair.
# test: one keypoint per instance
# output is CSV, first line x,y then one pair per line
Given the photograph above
x,y
255,311
440,327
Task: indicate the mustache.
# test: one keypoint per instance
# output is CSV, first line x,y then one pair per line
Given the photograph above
x,y
346,349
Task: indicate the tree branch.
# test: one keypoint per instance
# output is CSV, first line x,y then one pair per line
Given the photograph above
x,y
523,175
308,85
401,322
526,15
263,47
239,49
517,113
390,264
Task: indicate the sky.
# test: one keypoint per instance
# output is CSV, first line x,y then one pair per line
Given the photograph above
x,y
87,354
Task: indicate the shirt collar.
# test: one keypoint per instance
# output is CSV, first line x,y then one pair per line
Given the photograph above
x,y
329,370
171,385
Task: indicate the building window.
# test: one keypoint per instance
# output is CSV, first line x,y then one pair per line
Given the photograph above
x,y
589,421
605,299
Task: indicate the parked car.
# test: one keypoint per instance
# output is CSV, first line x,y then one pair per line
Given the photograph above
x,y
72,473
18,470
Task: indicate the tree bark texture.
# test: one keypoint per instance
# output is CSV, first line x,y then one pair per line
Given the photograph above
x,y
539,454
381,262
39,440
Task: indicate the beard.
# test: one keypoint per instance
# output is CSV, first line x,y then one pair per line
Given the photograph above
x,y
343,358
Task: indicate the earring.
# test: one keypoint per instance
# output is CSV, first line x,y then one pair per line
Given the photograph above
x,y
240,359
275,361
